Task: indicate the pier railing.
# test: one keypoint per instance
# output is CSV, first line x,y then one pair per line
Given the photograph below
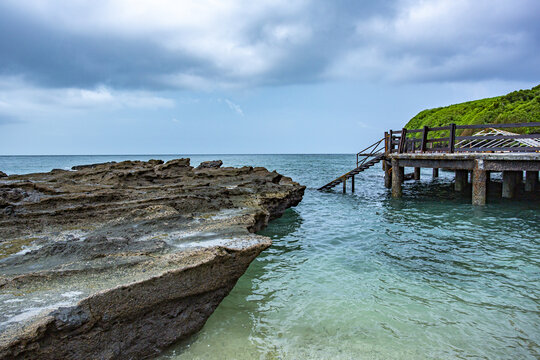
x,y
445,139
371,151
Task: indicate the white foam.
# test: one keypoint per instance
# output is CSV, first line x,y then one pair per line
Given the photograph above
x,y
72,294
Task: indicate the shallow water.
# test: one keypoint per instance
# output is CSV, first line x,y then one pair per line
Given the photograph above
x,y
365,276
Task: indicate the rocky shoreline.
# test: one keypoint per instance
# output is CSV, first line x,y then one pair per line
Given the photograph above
x,y
120,260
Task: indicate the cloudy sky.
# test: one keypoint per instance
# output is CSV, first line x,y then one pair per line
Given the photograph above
x,y
240,76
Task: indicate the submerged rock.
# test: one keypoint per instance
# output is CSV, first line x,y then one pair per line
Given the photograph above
x,y
120,260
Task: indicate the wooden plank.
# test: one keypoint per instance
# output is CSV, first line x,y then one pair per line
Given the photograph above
x,y
424,139
402,140
452,141
438,140
440,128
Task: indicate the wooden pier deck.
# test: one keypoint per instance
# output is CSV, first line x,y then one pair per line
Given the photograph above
x,y
442,148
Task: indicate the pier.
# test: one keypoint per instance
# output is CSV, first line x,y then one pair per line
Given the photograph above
x,y
455,148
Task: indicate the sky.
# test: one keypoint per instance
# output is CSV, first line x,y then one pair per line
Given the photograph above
x,y
241,76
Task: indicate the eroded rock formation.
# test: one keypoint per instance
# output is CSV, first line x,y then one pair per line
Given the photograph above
x,y
120,260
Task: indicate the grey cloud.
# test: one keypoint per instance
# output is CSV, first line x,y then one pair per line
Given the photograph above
x,y
54,57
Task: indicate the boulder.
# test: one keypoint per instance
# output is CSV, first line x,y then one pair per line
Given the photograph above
x,y
213,164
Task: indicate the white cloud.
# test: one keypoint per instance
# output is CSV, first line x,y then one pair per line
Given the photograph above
x,y
21,99
215,44
234,107
213,31
443,40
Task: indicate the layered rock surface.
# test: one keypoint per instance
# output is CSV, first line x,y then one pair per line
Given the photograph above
x,y
120,260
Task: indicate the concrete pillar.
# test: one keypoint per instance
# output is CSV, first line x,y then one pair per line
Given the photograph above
x,y
510,182
531,180
479,184
344,185
387,174
461,180
416,173
519,177
397,179
352,183
402,173
435,172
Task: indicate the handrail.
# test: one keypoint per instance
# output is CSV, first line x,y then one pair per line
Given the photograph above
x,y
397,141
375,150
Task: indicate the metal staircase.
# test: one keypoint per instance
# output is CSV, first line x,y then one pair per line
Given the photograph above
x,y
364,160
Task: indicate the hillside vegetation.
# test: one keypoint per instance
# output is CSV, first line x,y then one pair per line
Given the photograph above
x,y
517,107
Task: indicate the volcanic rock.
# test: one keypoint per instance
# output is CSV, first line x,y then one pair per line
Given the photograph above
x,y
120,260
214,164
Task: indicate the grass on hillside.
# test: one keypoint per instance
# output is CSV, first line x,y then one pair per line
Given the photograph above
x,y
517,107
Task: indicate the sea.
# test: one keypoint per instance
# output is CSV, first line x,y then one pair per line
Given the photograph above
x,y
366,276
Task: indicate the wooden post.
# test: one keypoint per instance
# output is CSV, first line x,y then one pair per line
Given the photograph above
x,y
352,184
435,172
531,180
509,184
344,184
397,191
386,145
387,174
479,184
461,180
402,140
424,139
416,173
452,142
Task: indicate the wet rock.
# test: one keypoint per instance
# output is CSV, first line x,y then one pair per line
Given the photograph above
x,y
214,164
120,260
3,174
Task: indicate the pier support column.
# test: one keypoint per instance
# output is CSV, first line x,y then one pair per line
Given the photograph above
x,y
344,185
435,173
461,180
479,183
352,183
510,182
397,179
416,173
387,174
531,180
402,173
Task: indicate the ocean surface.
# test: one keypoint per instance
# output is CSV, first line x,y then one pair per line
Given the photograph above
x,y
365,276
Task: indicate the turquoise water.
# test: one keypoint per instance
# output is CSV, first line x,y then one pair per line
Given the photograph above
x,y
365,276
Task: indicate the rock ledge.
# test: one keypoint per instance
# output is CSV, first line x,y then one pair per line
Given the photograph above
x,y
120,260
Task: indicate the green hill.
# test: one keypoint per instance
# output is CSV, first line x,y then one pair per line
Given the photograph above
x,y
517,107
